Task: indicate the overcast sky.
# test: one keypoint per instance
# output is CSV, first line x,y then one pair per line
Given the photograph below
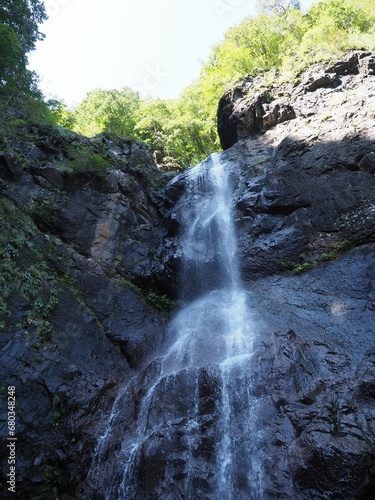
x,y
153,46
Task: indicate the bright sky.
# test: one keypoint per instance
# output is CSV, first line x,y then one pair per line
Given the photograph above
x,y
155,47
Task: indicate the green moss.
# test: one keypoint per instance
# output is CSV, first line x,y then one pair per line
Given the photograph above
x,y
27,280
49,475
45,211
342,245
81,158
301,268
161,302
326,257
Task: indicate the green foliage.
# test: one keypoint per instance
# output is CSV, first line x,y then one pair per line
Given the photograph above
x,y
177,130
278,44
153,297
19,32
342,245
276,6
325,257
44,211
161,302
26,279
85,161
24,17
49,475
111,111
62,114
301,268
342,15
12,57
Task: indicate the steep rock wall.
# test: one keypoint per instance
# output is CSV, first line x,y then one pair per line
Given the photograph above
x,y
94,240
302,166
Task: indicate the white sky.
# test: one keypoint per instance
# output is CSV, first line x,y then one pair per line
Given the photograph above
x,y
153,46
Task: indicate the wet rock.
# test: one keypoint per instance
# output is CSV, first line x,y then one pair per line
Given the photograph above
x,y
240,117
307,189
241,112
66,367
135,328
301,166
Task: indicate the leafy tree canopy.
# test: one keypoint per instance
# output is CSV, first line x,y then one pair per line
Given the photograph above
x,y
19,32
279,43
107,111
24,17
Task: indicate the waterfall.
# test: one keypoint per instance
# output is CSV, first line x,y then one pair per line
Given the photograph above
x,y
186,426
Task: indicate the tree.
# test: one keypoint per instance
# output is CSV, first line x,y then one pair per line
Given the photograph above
x,y
343,15
24,17
111,111
62,114
12,57
19,32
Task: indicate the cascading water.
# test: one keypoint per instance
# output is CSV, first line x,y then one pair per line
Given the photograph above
x,y
186,426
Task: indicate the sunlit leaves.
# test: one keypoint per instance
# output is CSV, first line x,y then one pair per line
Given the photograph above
x,y
24,17
19,31
107,111
281,41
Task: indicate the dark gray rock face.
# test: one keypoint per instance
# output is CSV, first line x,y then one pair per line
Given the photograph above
x,y
98,235
302,172
304,207
241,114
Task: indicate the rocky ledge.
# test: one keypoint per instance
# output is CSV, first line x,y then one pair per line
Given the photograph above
x,y
81,306
302,162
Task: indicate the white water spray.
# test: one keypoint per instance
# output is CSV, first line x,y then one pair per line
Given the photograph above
x,y
212,332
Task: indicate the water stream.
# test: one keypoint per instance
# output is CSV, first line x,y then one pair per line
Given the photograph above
x,y
186,427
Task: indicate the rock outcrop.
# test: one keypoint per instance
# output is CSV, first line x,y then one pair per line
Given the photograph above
x,y
302,163
307,190
241,113
88,239
303,173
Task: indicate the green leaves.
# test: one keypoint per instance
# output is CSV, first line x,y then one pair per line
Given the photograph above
x,y
25,274
19,32
280,44
24,17
12,57
342,15
111,111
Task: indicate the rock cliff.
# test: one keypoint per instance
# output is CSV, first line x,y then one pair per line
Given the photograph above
x,y
302,163
81,305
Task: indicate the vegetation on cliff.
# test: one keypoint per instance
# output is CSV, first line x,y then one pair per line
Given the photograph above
x,y
279,44
19,32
